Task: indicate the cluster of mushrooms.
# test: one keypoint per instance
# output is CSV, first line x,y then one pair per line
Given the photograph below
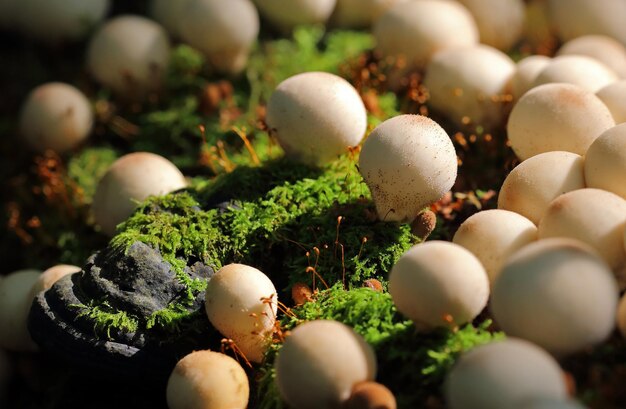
x,y
550,261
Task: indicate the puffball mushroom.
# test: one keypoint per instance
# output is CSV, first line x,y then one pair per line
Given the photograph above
x,y
593,216
437,284
370,395
468,83
493,235
359,13
58,20
556,117
56,116
319,364
408,162
241,303
285,15
415,30
605,49
557,293
500,22
575,18
131,179
129,54
207,380
169,14
503,374
224,31
316,116
614,97
580,70
605,162
16,296
526,72
52,275
534,183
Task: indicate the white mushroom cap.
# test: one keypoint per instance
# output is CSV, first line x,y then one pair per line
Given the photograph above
x,y
129,54
234,304
526,72
557,293
52,275
131,179
437,284
207,380
223,30
416,30
408,162
605,162
614,97
556,117
467,83
605,49
586,72
57,20
502,374
16,297
534,183
285,15
550,403
500,22
575,18
316,116
360,13
169,13
56,116
593,216
493,235
320,363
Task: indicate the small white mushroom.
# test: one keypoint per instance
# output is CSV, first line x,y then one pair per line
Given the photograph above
x,y
52,275
408,162
130,55
503,374
241,303
439,284
415,30
223,30
614,97
593,216
586,72
16,297
556,117
169,13
534,183
359,13
468,83
526,72
550,403
56,116
320,363
500,22
207,380
129,180
285,15
557,293
493,235
316,116
605,162
605,49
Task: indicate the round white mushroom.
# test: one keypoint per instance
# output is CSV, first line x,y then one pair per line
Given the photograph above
x,y
16,297
56,116
503,374
169,13
467,84
223,30
534,183
52,275
207,380
359,13
586,72
316,116
241,302
557,293
319,364
605,162
526,72
576,18
593,216
493,235
414,31
131,179
285,15
605,49
614,97
408,162
439,284
500,22
556,117
130,55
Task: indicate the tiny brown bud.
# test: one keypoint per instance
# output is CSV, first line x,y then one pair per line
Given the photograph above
x,y
424,224
374,284
370,395
301,293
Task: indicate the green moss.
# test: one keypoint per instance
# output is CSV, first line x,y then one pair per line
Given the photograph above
x,y
88,166
105,318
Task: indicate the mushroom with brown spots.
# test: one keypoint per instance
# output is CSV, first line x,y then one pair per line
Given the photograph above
x,y
614,97
605,162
